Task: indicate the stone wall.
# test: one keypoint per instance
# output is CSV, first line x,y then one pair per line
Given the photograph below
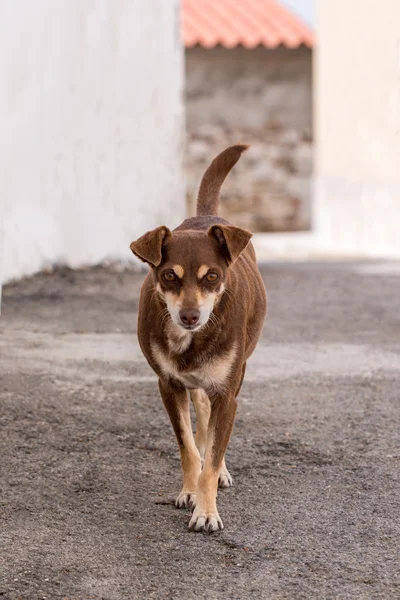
x,y
264,98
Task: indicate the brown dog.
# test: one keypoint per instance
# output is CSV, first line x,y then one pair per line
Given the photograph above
x,y
201,312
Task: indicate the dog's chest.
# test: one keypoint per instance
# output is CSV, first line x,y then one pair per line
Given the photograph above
x,y
206,373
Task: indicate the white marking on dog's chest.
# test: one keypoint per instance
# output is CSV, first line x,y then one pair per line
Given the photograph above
x,y
178,339
211,374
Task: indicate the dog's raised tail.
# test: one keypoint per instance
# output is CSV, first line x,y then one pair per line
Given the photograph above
x,y
214,177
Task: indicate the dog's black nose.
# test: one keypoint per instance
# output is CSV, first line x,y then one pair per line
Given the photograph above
x,y
189,317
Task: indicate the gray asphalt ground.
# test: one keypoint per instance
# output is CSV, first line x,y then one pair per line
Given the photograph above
x,y
90,467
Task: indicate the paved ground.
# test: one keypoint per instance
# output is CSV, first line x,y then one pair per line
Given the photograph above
x,y
89,465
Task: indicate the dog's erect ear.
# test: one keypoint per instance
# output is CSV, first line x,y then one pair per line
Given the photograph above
x,y
149,247
233,240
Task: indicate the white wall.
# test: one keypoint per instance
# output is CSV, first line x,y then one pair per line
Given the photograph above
x,y
91,120
357,126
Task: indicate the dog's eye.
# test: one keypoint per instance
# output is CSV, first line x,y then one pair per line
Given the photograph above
x,y
212,277
169,276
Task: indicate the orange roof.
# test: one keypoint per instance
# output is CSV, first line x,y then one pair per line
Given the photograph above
x,y
247,23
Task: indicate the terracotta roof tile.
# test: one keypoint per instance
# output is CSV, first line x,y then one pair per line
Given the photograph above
x,y
247,23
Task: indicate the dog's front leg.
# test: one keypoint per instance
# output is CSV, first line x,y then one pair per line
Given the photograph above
x,y
205,515
202,407
176,401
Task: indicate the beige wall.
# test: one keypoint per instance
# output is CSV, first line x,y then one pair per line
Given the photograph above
x,y
357,126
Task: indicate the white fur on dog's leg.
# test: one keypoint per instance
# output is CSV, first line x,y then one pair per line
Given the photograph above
x,y
201,521
225,478
186,500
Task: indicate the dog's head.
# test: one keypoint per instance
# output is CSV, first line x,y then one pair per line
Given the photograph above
x,y
190,268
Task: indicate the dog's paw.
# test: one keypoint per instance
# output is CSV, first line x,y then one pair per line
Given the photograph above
x,y
186,500
208,522
225,478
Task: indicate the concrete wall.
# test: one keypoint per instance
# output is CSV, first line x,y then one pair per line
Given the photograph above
x,y
92,123
262,97
249,88
357,126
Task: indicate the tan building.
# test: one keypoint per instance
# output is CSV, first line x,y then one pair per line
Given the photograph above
x,y
249,79
357,122
356,199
